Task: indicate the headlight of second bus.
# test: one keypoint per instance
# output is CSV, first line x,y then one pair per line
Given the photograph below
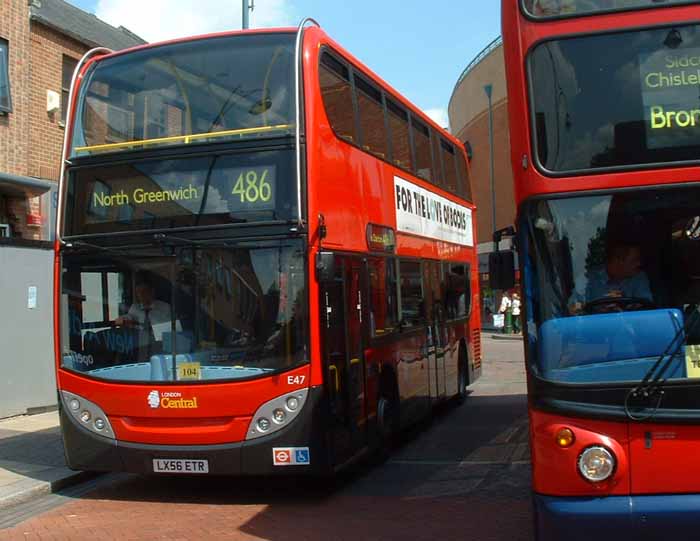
x,y
277,413
596,464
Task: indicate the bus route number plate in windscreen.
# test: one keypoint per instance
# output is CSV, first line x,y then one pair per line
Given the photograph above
x,y
252,188
180,465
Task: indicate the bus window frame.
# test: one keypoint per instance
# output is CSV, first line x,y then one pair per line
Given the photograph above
x,y
533,18
422,320
410,112
534,153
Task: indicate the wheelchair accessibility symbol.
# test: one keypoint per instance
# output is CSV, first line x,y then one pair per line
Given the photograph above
x,y
302,456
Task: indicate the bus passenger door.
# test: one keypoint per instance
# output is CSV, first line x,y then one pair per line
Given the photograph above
x,y
342,319
436,331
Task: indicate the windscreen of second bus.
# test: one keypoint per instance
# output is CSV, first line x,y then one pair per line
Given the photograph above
x,y
609,282
184,313
196,91
544,9
616,100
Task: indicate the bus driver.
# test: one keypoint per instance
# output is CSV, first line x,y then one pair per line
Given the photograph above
x,y
621,276
148,314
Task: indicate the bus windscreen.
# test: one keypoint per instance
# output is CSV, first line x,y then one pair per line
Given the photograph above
x,y
647,112
215,89
570,8
615,283
188,313
215,189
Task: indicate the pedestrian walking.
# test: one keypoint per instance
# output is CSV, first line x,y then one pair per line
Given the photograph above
x,y
506,309
515,305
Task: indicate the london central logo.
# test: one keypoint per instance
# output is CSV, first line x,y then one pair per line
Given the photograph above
x,y
171,400
154,399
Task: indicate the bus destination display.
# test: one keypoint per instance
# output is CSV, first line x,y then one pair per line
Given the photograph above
x,y
670,82
231,190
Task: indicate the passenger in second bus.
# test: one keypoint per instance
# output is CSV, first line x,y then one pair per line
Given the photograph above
x,y
621,276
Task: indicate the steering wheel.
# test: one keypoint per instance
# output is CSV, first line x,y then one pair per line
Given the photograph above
x,y
605,305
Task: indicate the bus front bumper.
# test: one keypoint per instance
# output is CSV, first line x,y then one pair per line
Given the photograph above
x,y
649,517
89,452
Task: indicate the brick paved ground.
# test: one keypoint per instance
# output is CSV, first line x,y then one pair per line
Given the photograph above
x,y
466,477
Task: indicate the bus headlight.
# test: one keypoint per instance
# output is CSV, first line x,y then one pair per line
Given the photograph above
x,y
596,464
84,412
282,410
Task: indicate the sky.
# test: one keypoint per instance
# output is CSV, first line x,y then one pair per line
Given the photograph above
x,y
420,48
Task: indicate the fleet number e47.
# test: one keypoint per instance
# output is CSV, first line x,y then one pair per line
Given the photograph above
x,y
296,380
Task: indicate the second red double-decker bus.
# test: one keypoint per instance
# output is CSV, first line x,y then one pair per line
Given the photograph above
x,y
266,260
605,135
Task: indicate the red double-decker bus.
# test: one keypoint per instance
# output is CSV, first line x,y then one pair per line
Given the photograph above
x,y
266,260
605,135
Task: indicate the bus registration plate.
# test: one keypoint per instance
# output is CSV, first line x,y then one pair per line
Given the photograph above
x,y
180,465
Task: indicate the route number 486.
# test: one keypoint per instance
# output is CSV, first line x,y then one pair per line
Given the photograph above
x,y
252,188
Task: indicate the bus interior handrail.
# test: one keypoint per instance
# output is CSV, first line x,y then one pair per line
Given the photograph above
x,y
187,138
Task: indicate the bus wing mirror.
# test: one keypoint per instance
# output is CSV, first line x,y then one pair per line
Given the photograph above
x,y
325,266
502,270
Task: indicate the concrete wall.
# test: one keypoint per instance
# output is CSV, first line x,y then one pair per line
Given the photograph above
x,y
27,376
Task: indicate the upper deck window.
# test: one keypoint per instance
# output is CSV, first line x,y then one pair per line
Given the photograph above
x,y
400,139
369,104
421,143
448,162
437,162
647,112
545,9
464,182
337,96
5,100
196,91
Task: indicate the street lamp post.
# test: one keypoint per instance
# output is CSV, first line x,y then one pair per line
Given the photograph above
x,y
247,8
489,91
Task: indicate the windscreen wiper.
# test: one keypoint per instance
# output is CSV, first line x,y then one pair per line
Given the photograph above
x,y
83,244
651,385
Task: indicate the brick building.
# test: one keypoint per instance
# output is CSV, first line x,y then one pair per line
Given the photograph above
x,y
469,121
41,42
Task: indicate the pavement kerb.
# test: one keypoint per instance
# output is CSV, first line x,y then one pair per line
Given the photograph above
x,y
30,489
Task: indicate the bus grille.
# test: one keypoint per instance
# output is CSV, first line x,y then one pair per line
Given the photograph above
x,y
476,344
